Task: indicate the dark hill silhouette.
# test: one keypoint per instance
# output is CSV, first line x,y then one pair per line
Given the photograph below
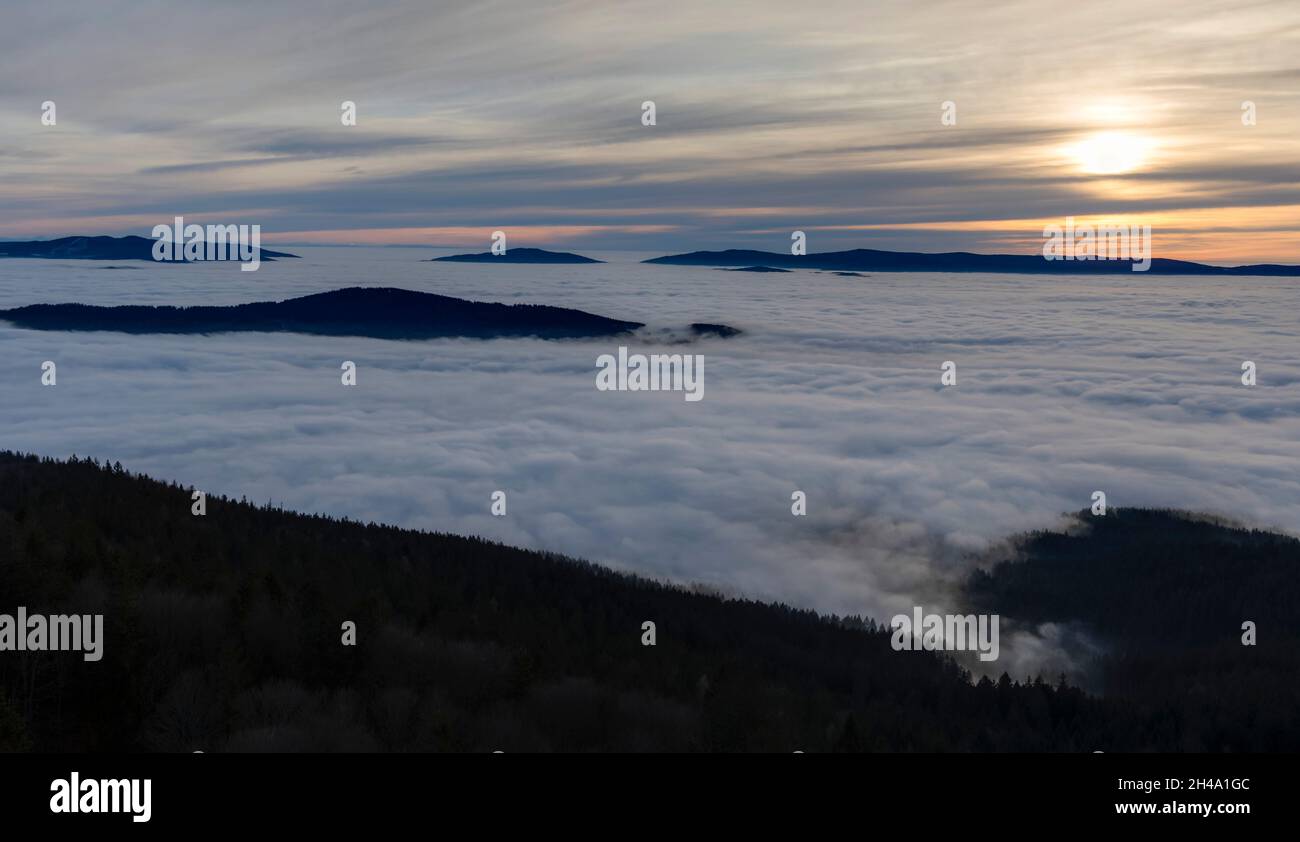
x,y
1167,594
222,633
357,311
519,255
99,248
864,260
707,329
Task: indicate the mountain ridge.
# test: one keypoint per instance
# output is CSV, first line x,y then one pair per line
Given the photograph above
x,y
101,247
960,261
517,255
379,312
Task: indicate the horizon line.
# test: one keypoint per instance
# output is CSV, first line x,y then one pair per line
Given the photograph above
x,y
272,242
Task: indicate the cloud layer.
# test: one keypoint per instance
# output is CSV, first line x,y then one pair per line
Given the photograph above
x,y
1065,386
820,116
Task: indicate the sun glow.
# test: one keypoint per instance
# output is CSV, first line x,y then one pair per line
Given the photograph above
x,y
1111,153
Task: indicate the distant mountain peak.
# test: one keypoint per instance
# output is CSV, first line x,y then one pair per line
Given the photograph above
x,y
517,255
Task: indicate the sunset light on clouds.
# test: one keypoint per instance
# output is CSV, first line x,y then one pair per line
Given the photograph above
x,y
780,118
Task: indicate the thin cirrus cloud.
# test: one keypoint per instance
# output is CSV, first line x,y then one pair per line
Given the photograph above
x,y
528,114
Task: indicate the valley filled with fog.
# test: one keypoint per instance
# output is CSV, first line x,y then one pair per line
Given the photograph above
x,y
1065,385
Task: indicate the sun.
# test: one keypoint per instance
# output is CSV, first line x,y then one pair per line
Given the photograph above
x,y
1111,153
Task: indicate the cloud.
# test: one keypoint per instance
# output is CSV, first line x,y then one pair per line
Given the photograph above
x,y
1065,386
529,114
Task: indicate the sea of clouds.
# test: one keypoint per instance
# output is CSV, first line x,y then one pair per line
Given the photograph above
x,y
1066,385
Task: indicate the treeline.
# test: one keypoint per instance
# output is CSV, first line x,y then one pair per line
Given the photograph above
x,y
223,633
1168,595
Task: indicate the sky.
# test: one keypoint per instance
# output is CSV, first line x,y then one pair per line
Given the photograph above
x,y
770,117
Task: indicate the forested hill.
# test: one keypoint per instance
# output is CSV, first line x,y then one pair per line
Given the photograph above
x,y
380,312
1167,595
222,633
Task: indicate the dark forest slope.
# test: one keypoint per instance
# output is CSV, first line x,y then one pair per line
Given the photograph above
x,y
223,633
1167,595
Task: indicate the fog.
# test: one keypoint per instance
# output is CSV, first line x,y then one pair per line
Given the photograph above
x,y
1129,385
